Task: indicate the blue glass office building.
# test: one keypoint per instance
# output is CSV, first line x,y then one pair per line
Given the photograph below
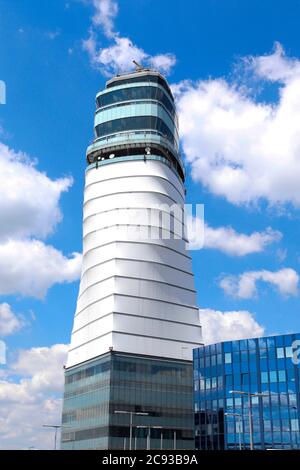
x,y
264,368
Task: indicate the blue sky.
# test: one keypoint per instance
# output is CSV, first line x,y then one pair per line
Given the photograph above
x,y
235,70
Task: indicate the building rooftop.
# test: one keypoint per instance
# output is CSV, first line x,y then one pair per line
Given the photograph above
x,y
135,75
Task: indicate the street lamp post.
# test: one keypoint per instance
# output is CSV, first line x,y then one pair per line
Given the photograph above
x,y
130,413
242,392
161,434
240,426
130,431
56,427
296,421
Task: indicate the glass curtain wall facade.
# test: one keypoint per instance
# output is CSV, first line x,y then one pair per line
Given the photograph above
x,y
161,390
263,366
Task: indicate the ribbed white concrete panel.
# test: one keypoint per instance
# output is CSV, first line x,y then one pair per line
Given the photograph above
x,y
133,216
135,269
131,307
148,184
145,327
138,169
132,233
142,251
137,288
137,291
132,199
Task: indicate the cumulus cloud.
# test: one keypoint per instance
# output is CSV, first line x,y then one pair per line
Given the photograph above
x,y
244,286
30,396
42,366
105,13
9,322
30,267
118,56
162,62
233,243
276,67
226,326
29,209
238,147
29,199
229,241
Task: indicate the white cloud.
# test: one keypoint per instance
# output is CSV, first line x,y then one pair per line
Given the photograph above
x,y
30,268
226,326
30,396
233,243
105,13
162,62
9,322
118,56
243,286
29,199
44,367
239,148
276,67
29,207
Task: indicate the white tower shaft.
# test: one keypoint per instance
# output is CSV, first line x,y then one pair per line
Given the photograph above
x,y
136,293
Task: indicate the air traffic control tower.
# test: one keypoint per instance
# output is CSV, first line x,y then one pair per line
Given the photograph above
x,y
128,377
